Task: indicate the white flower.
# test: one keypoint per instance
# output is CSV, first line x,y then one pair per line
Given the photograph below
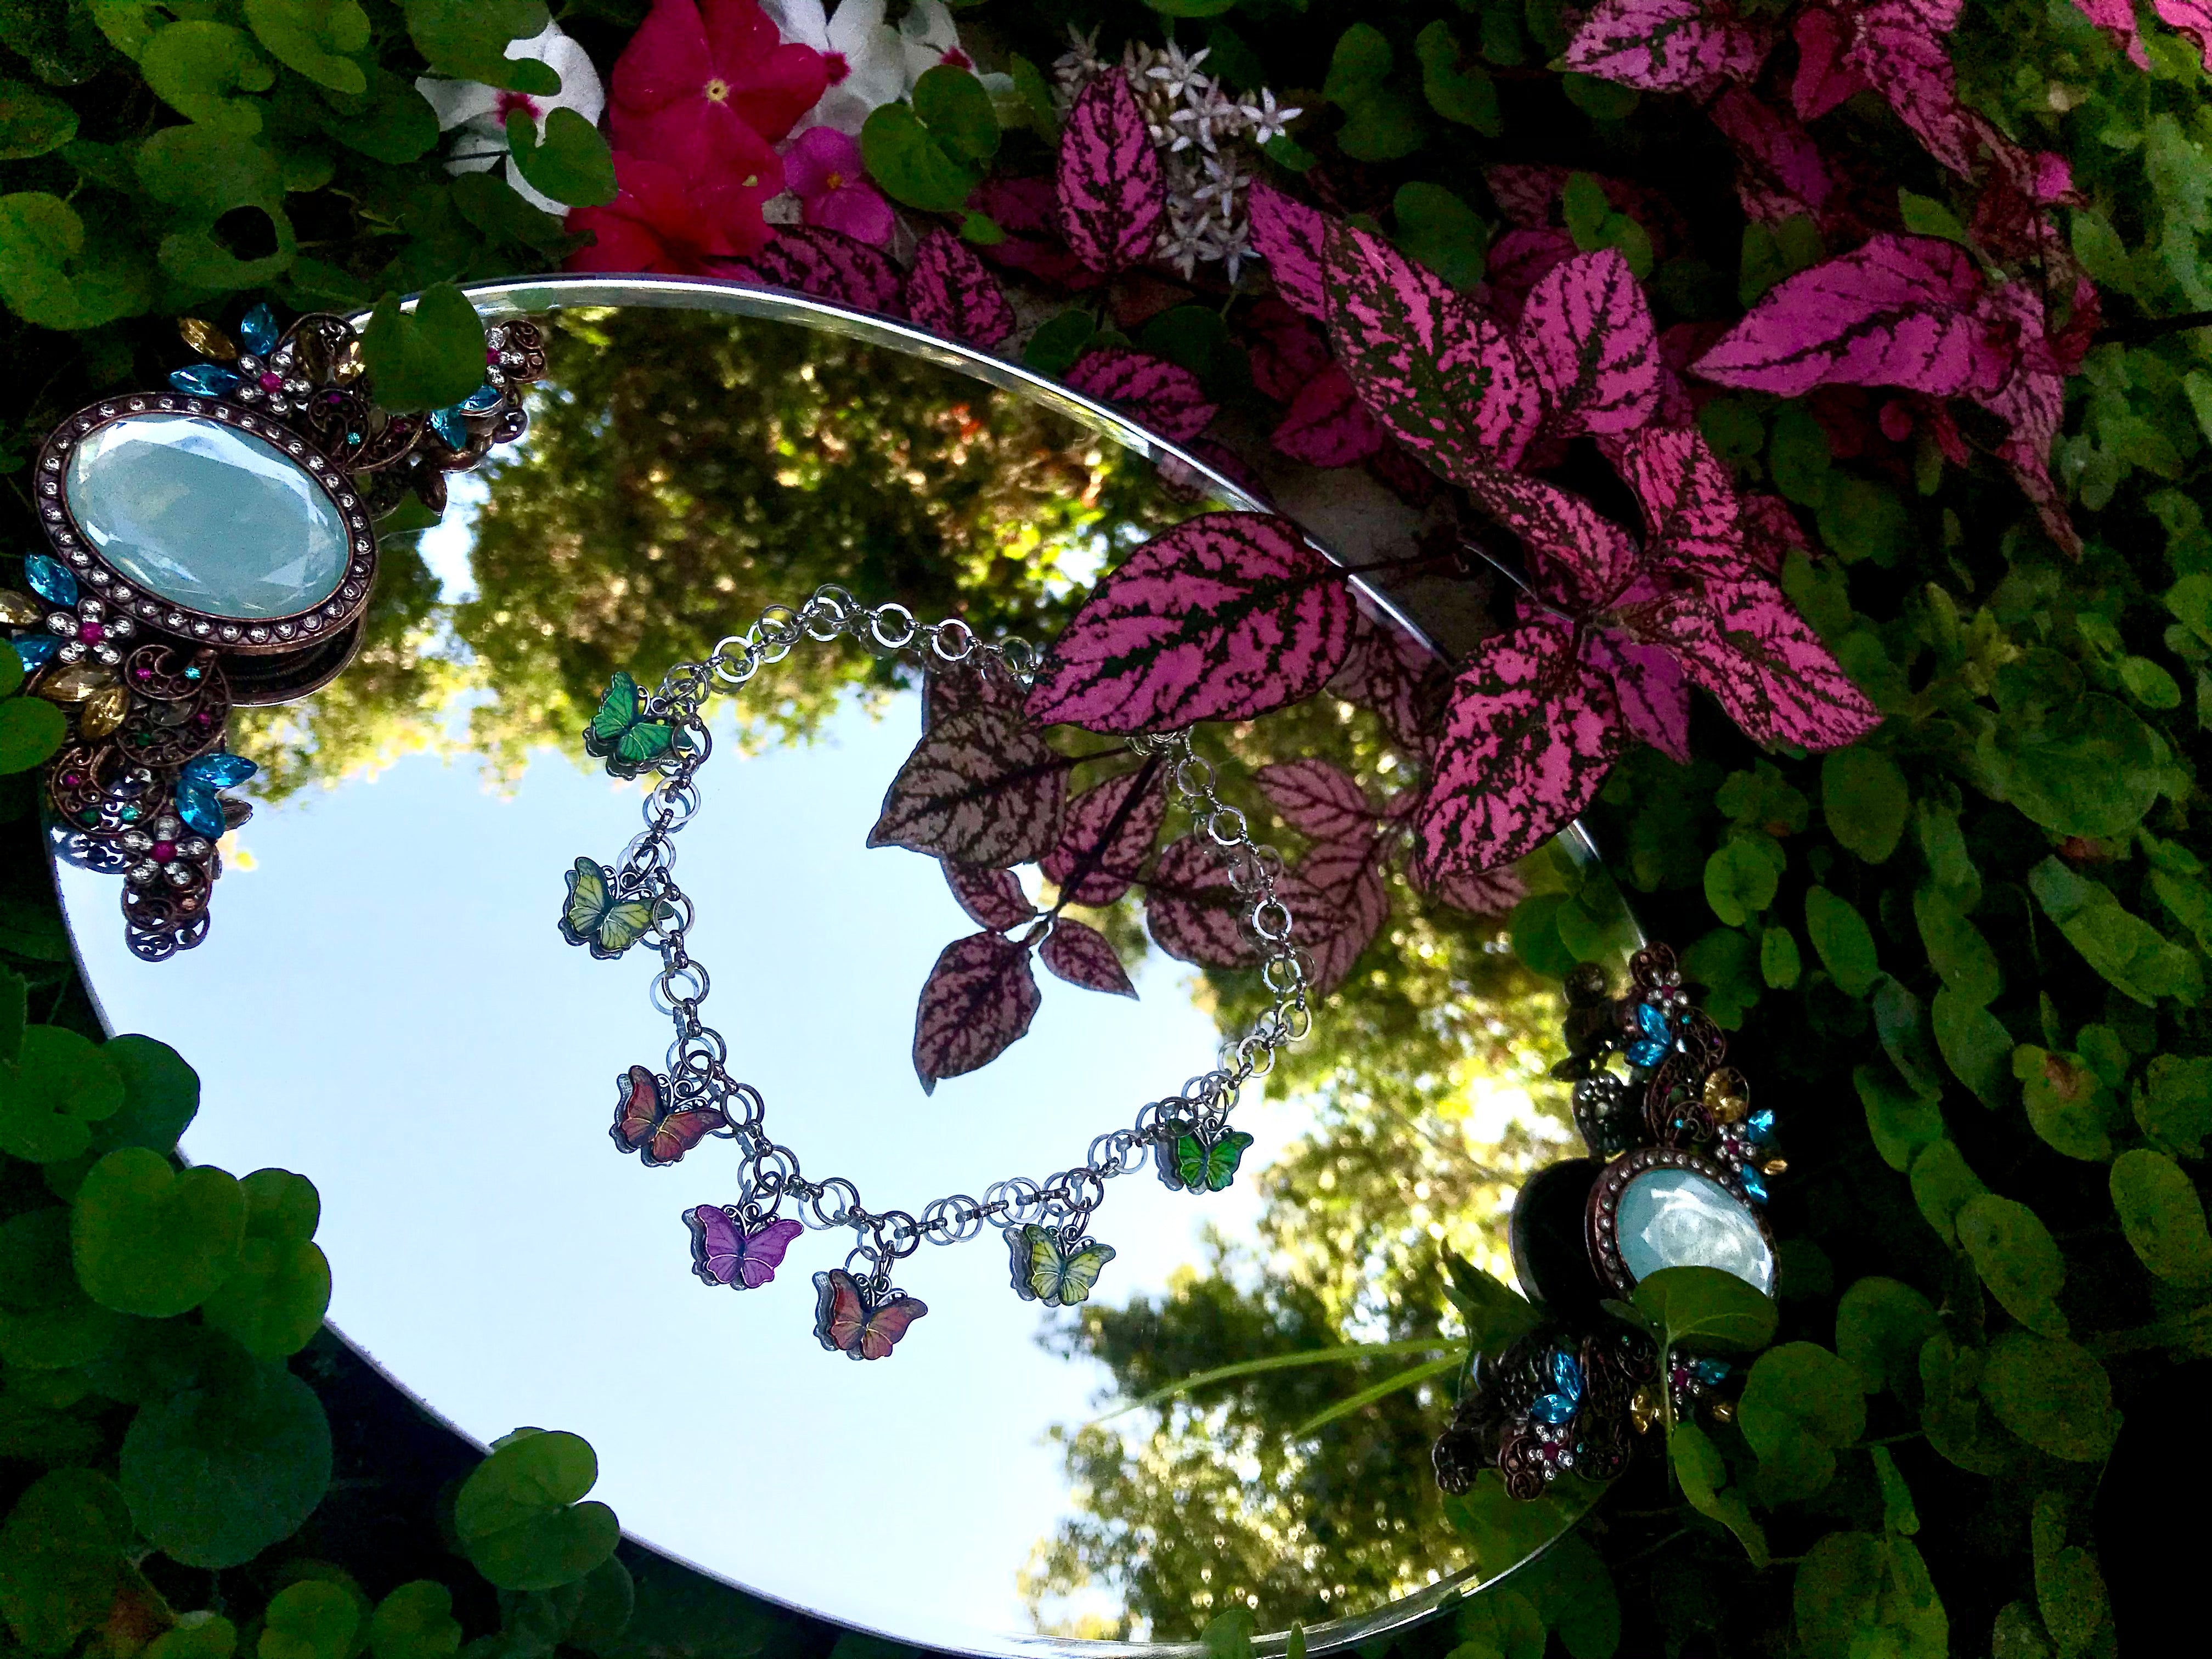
x,y
481,111
1080,61
1177,74
929,38
864,57
1268,122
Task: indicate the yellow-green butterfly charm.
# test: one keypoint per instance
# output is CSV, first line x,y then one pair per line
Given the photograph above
x,y
624,732
1201,1160
594,916
1054,1270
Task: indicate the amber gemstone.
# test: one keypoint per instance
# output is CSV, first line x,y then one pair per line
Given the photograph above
x,y
206,339
103,711
76,682
1727,1094
20,610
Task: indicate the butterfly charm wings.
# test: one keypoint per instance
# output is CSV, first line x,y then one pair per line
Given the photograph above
x,y
849,1320
623,734
592,915
1047,1271
1658,1037
723,1252
1202,1162
644,1123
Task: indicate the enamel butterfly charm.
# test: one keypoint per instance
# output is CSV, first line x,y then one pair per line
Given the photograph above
x,y
855,1320
597,915
1202,1159
626,733
659,1134
725,1251
1054,1268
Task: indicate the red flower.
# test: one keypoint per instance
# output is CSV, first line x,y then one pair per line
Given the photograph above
x,y
668,218
708,85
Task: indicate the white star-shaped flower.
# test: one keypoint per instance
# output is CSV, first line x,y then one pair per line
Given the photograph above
x,y
1269,122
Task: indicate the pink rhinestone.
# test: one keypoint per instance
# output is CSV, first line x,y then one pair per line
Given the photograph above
x,y
491,356
142,673
270,380
163,851
91,633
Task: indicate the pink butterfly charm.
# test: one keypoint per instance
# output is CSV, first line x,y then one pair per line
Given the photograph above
x,y
850,1321
723,1251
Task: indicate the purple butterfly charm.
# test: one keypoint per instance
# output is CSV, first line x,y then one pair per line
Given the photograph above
x,y
723,1251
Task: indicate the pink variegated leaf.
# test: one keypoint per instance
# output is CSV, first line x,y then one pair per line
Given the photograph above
x,y
1665,45
981,788
1778,162
1587,331
1318,799
1290,237
2118,20
1082,955
955,688
1286,350
1328,425
1648,685
1901,311
2194,19
1692,521
827,265
1528,739
1899,46
1401,680
978,1001
1193,912
1486,893
1826,76
1518,261
2030,405
1743,641
1028,210
1113,194
1446,381
1771,532
1110,834
1338,903
948,290
1586,558
993,898
1226,616
1527,195
1162,395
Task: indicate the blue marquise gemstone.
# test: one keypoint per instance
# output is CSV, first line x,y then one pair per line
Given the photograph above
x,y
203,380
448,425
200,808
1552,1408
484,398
50,580
1754,1188
257,329
1711,1371
35,649
1657,1037
1760,1126
218,771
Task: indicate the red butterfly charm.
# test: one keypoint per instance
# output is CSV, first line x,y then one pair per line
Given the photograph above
x,y
847,1320
645,1125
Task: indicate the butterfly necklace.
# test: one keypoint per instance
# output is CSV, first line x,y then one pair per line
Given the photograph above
x,y
660,1117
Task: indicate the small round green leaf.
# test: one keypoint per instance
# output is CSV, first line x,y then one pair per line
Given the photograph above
x,y
150,1241
2162,1217
416,1621
1800,1404
47,1321
62,1557
953,105
2053,1394
1442,231
912,166
312,1619
1864,797
573,166
1707,1307
59,1086
1844,941
1856,1594
196,67
315,37
2067,1103
31,728
32,123
1882,1325
426,358
2017,1258
518,1515
195,1635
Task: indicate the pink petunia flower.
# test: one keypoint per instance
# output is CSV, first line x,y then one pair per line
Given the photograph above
x,y
671,219
822,168
706,85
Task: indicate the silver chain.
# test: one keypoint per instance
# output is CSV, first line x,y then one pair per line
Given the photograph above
x,y
698,1060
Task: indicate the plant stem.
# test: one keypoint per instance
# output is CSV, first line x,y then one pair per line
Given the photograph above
x,y
2155,328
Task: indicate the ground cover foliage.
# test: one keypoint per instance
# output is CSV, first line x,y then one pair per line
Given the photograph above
x,y
1966,949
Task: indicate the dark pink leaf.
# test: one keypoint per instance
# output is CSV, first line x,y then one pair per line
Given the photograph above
x,y
1648,685
1318,799
1286,350
1226,616
1526,195
1744,643
1113,195
1490,893
1401,680
1825,76
1665,45
1692,519
1110,834
1328,425
1164,396
950,292
1338,903
1901,311
978,1000
1445,380
1899,47
981,788
1780,168
1192,911
957,688
2030,405
1586,559
1028,210
1587,333
1527,738
827,265
2017,186
993,897
1290,237
2118,20
1518,261
2193,18
1084,956
1771,532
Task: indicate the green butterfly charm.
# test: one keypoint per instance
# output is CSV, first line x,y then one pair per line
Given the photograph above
x,y
623,734
1058,1274
1201,1160
593,915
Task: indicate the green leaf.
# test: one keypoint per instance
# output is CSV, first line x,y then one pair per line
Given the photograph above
x,y
573,166
150,1241
2174,1103
1951,1409
1902,1023
14,1015
196,67
1974,1044
2085,765
519,1519
1383,126
1707,1307
215,1474
2189,900
312,1619
59,1085
1882,1326
1456,90
194,1636
904,158
1844,941
1861,520
1856,1594
1035,93
416,1621
952,103
1059,341
1924,215
1943,847
1726,964
1864,799
1601,100
467,40
427,358
1761,799
1411,1376
2162,1217
1798,456
1442,232
202,173
1800,1404
1900,1120
317,38
1495,1314
2069,1590
1942,1185
1360,60
2130,952
392,123
32,123
1742,876
47,1321
2016,1257
1572,1591
128,24
1502,1624
2067,1103
1779,963
1898,1513
274,1301
63,1550
1192,8
54,276
2053,1394
1956,948
1702,1471
1228,1634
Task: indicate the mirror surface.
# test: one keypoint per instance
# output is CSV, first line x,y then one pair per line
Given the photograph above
x,y
383,1004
